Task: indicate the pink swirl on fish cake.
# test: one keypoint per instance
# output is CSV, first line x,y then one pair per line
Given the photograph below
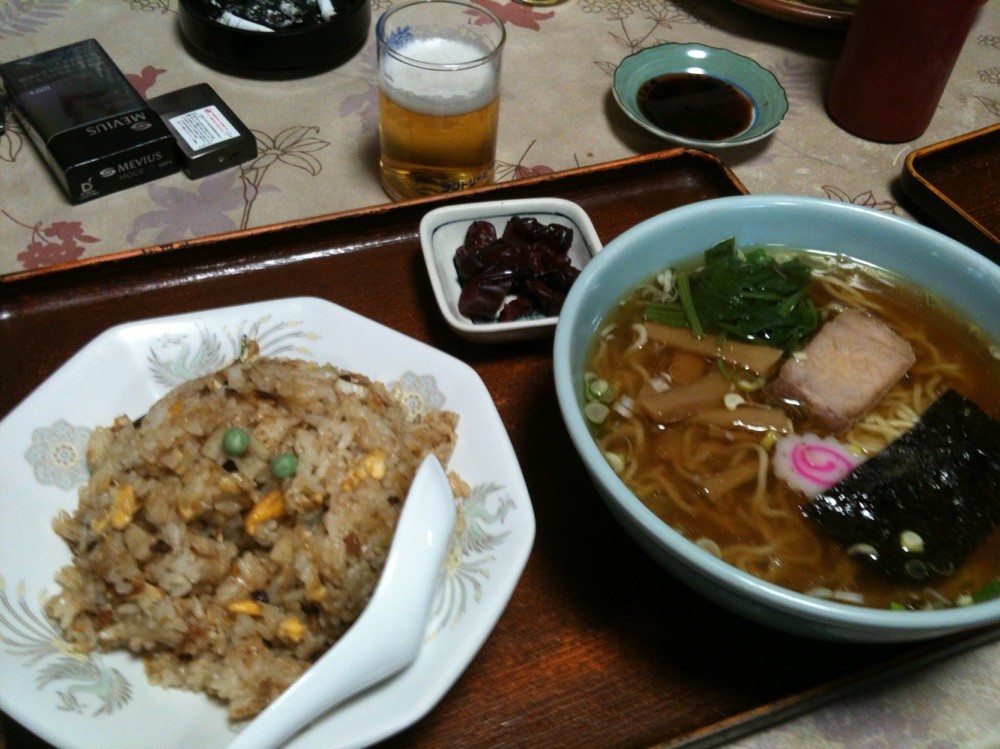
x,y
810,464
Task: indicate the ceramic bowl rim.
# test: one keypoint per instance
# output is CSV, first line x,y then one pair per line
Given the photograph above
x,y
752,134
491,332
863,622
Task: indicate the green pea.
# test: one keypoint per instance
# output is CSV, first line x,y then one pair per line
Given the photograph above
x,y
284,465
235,441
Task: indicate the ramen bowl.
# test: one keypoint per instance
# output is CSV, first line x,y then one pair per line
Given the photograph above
x,y
960,278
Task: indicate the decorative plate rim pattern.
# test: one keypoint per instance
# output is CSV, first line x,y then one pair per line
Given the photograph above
x,y
56,692
770,102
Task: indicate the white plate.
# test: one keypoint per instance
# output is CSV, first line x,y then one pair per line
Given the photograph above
x,y
100,701
442,232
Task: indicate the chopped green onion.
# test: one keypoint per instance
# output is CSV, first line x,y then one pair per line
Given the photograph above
x,y
911,542
751,385
849,596
616,461
596,412
599,390
732,401
769,439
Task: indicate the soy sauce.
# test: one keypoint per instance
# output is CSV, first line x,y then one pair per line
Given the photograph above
x,y
695,105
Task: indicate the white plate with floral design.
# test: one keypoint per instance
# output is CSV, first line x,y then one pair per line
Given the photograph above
x,y
79,701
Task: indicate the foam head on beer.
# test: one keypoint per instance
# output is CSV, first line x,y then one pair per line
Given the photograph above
x,y
464,83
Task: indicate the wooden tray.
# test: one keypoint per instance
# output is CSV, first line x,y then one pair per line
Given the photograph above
x,y
834,14
598,647
955,183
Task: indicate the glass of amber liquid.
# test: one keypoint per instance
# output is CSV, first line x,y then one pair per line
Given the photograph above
x,y
439,96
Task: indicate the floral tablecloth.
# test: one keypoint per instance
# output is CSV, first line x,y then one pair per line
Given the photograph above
x,y
318,154
318,139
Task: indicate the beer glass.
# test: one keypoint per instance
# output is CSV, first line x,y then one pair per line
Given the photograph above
x,y
439,96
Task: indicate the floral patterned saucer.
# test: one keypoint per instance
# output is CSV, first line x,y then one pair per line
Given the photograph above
x,y
79,700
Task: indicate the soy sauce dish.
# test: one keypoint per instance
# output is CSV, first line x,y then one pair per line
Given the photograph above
x,y
699,96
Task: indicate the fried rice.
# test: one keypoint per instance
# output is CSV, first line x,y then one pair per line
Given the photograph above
x,y
224,577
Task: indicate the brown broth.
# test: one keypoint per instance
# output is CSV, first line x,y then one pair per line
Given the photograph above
x,y
805,558
695,105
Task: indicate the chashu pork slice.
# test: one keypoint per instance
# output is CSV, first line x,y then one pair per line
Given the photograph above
x,y
848,366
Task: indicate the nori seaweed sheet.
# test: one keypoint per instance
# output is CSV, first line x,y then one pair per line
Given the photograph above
x,y
940,480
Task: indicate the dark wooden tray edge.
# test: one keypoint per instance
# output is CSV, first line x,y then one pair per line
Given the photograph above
x,y
782,711
945,211
276,231
802,14
39,284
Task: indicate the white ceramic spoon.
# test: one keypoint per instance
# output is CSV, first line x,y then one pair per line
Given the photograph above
x,y
390,631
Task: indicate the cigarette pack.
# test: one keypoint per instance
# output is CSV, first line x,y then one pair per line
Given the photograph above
x,y
93,129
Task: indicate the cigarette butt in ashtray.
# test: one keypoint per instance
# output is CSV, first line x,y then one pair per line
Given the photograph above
x,y
228,18
326,9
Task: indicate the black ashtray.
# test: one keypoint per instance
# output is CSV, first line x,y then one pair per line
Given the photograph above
x,y
311,43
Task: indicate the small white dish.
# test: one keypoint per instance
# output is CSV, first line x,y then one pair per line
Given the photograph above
x,y
98,700
442,232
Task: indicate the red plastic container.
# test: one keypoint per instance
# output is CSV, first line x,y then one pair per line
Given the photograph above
x,y
896,61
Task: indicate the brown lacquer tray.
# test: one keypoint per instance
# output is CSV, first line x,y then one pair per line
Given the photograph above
x,y
955,183
598,646
834,14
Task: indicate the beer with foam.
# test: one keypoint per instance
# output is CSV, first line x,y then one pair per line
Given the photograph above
x,y
438,101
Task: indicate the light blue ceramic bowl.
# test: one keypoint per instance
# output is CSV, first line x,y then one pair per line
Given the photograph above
x,y
953,272
768,97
